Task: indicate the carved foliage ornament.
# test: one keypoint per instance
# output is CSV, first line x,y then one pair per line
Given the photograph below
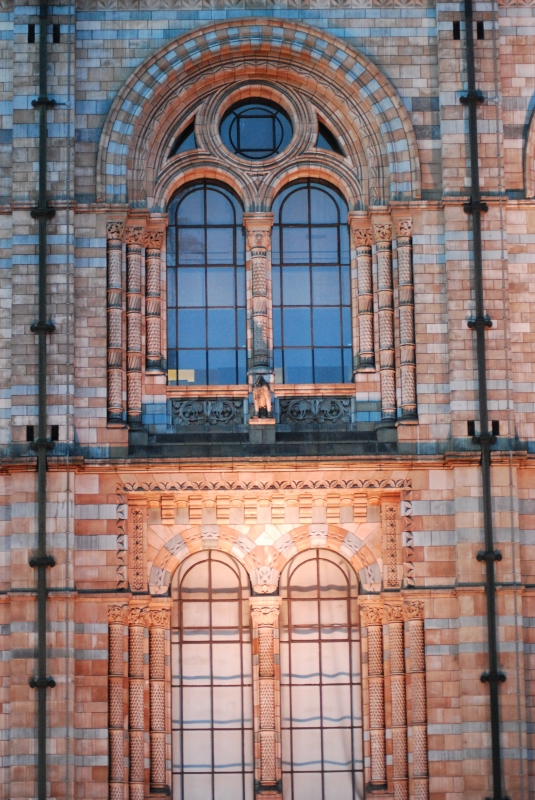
x,y
315,410
265,614
414,609
394,612
404,228
277,485
362,237
153,240
114,230
383,232
258,238
371,614
207,412
117,615
135,234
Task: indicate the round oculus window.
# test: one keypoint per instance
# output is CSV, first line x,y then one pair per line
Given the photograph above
x,y
256,129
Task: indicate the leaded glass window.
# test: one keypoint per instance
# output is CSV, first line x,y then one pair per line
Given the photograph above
x,y
256,129
212,704
311,286
320,679
206,336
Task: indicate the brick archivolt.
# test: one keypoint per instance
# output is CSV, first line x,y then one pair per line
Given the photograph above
x,y
311,67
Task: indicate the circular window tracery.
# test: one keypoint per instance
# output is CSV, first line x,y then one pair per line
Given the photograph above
x,y
256,129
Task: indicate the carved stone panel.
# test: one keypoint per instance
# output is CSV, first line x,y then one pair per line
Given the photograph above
x,y
308,410
195,412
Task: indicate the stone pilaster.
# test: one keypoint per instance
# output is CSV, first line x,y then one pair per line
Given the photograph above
x,y
414,616
158,624
362,294
266,693
116,711
382,232
153,311
114,233
258,229
407,340
372,619
396,638
135,237
136,702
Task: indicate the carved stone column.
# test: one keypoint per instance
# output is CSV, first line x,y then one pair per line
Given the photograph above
x,y
114,233
396,638
258,228
136,702
266,693
361,236
159,623
382,232
414,615
135,236
407,338
372,620
153,311
116,711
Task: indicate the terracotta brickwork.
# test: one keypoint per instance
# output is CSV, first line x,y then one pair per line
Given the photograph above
x,y
380,469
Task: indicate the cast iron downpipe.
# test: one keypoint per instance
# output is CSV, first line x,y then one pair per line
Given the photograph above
x,y
475,207
42,328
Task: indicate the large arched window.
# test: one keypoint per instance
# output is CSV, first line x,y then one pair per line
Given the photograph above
x,y
320,680
311,286
206,337
211,680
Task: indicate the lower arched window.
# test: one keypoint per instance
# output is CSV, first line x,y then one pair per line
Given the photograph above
x,y
320,680
212,685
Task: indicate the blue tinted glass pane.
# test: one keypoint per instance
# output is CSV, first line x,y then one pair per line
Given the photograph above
x,y
326,327
171,287
276,285
172,359
324,245
191,246
188,142
348,366
295,286
275,245
171,247
298,366
240,245
191,287
172,209
257,133
221,327
221,366
296,327
220,286
240,285
171,328
346,327
192,366
346,286
325,286
220,246
192,328
242,334
344,245
277,363
277,332
295,246
191,209
242,366
295,208
219,209
327,365
323,209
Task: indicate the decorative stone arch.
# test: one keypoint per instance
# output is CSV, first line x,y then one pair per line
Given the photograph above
x,y
264,562
338,79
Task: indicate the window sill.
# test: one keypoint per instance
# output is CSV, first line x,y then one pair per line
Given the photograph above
x,y
314,389
196,390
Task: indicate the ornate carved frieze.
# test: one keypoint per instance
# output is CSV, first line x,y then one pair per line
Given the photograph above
x,y
193,412
391,539
137,582
100,5
307,410
271,484
407,338
153,321
382,232
114,233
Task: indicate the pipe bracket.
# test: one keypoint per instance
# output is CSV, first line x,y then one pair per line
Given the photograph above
x,y
475,96
493,677
42,683
44,101
42,561
43,327
472,206
485,438
46,213
480,322
489,555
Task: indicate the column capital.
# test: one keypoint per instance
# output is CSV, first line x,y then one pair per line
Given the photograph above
x,y
413,609
117,615
393,612
371,613
361,230
154,239
134,234
403,226
158,617
382,230
115,229
138,616
265,610
258,228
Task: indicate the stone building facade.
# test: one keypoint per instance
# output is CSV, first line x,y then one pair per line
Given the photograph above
x,y
267,588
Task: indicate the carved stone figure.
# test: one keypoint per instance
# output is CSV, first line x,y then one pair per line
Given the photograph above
x,y
262,397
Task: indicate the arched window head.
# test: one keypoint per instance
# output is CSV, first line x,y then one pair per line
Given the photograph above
x,y
311,286
256,129
206,287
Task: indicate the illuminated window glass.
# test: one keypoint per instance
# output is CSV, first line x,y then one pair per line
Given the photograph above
x,y
256,129
206,337
311,286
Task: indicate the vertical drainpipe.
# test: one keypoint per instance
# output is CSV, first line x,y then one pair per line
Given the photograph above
x,y
482,321
41,560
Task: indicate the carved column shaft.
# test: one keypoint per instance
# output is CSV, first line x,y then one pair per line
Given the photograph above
x,y
136,703
159,621
116,711
396,637
114,231
362,244
418,718
383,244
372,619
258,228
406,319
135,236
266,690
153,312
